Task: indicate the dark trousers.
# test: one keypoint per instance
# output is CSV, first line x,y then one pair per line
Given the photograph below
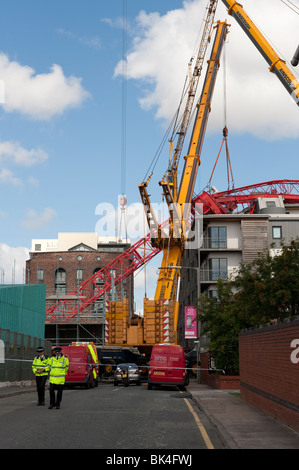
x,y
56,401
40,387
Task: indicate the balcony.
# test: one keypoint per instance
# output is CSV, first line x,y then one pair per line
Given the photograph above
x,y
221,244
212,275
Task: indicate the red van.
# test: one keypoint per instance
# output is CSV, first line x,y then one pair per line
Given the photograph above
x,y
167,366
80,366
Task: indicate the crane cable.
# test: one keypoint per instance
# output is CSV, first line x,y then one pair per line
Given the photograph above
x,y
123,199
175,123
124,100
297,12
224,131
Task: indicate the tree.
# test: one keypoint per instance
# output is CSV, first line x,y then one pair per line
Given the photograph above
x,y
265,290
222,324
268,288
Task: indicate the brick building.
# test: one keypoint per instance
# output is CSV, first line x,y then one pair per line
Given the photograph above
x,y
65,263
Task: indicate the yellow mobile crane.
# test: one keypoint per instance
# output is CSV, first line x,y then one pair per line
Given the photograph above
x,y
192,89
156,313
173,247
277,65
173,243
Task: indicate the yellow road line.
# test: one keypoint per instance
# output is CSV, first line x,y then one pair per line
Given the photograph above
x,y
203,432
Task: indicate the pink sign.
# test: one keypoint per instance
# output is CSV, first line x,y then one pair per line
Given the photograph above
x,y
190,323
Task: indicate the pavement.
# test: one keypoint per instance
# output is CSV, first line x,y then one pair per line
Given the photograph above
x,y
238,424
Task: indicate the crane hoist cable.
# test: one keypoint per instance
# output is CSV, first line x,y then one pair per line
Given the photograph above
x,y
123,198
297,12
124,99
224,131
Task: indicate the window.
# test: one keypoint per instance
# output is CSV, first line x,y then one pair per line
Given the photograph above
x,y
60,281
39,274
277,232
79,275
213,294
217,237
218,268
38,247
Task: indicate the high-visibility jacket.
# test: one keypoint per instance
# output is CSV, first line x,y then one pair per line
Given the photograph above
x,y
95,360
93,351
58,369
41,362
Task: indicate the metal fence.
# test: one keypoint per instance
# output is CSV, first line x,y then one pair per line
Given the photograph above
x,y
19,352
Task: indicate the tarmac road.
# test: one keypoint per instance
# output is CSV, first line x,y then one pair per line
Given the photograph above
x,y
107,417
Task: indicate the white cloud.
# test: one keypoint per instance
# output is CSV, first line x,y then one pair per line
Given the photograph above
x,y
7,177
33,182
257,103
39,96
12,263
15,153
34,221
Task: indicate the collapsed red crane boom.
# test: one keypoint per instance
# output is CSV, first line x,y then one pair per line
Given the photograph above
x,y
142,251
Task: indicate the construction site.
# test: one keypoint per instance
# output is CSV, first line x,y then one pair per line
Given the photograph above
x,y
90,281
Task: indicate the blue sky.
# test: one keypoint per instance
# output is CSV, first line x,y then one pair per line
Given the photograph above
x,y
61,124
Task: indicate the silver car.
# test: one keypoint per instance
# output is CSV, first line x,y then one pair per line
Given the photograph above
x,y
134,374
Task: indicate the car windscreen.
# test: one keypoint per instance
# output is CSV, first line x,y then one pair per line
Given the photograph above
x,y
127,366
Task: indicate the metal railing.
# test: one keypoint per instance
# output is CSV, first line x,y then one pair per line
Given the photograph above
x,y
221,243
212,275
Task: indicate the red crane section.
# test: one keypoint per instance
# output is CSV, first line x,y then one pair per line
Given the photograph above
x,y
97,285
230,199
141,252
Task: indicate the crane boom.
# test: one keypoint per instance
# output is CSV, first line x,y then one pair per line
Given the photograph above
x,y
168,277
206,37
277,65
173,168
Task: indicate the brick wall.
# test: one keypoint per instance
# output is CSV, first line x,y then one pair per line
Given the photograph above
x,y
269,370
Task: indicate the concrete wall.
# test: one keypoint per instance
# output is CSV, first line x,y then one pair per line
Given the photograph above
x,y
269,370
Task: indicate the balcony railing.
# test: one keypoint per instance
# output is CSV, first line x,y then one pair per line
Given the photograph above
x,y
221,243
212,275
214,243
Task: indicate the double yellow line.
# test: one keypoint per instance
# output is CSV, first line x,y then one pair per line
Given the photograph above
x,y
200,426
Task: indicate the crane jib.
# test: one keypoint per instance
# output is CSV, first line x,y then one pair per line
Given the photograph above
x,y
277,65
191,164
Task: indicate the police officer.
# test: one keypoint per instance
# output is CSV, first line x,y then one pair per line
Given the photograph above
x,y
59,365
40,368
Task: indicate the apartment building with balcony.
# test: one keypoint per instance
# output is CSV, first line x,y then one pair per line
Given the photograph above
x,y
228,240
